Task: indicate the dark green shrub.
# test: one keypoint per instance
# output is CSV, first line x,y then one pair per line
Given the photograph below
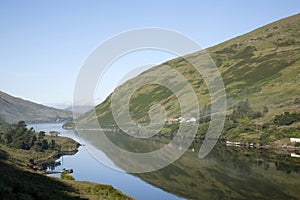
x,y
286,119
297,144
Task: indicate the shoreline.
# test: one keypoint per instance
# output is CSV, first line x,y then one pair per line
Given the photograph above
x,y
283,146
41,166
23,168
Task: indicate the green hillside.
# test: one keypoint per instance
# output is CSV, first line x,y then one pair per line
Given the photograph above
x,y
16,109
261,73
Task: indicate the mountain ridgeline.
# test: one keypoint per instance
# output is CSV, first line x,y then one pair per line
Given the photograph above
x,y
260,71
14,109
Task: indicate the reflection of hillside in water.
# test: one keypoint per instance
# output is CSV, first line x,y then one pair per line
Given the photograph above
x,y
226,173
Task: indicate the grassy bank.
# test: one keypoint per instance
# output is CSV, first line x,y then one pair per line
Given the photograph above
x,y
24,156
17,181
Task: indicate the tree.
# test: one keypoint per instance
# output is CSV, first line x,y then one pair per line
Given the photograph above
x,y
21,125
45,145
33,140
8,138
54,133
41,135
38,145
52,144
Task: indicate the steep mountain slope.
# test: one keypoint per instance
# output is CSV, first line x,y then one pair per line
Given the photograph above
x,y
262,67
15,109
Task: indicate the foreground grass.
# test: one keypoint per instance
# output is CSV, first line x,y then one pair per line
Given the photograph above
x,y
18,181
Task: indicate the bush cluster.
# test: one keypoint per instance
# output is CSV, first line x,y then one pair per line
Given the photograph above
x,y
286,119
18,136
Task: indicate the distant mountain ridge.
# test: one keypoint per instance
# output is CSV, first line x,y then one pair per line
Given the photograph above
x,y
15,109
79,109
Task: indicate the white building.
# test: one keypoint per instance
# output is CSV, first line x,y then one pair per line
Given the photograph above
x,y
295,155
193,119
295,139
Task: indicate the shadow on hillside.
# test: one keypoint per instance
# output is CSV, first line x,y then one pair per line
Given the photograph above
x,y
3,155
18,184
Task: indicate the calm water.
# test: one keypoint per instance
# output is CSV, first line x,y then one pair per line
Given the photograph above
x,y
86,168
226,173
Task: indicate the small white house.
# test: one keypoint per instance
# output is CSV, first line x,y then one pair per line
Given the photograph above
x,y
295,155
193,119
182,119
187,119
295,139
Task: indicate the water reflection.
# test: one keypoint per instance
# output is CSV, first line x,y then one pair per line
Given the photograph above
x,y
226,173
86,168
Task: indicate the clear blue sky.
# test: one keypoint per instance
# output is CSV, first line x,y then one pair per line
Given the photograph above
x,y
44,43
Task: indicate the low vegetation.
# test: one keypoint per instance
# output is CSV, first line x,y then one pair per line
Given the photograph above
x,y
66,176
244,125
260,71
18,136
286,118
22,149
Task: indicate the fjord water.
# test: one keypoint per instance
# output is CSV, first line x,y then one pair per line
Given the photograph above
x,y
226,173
87,168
